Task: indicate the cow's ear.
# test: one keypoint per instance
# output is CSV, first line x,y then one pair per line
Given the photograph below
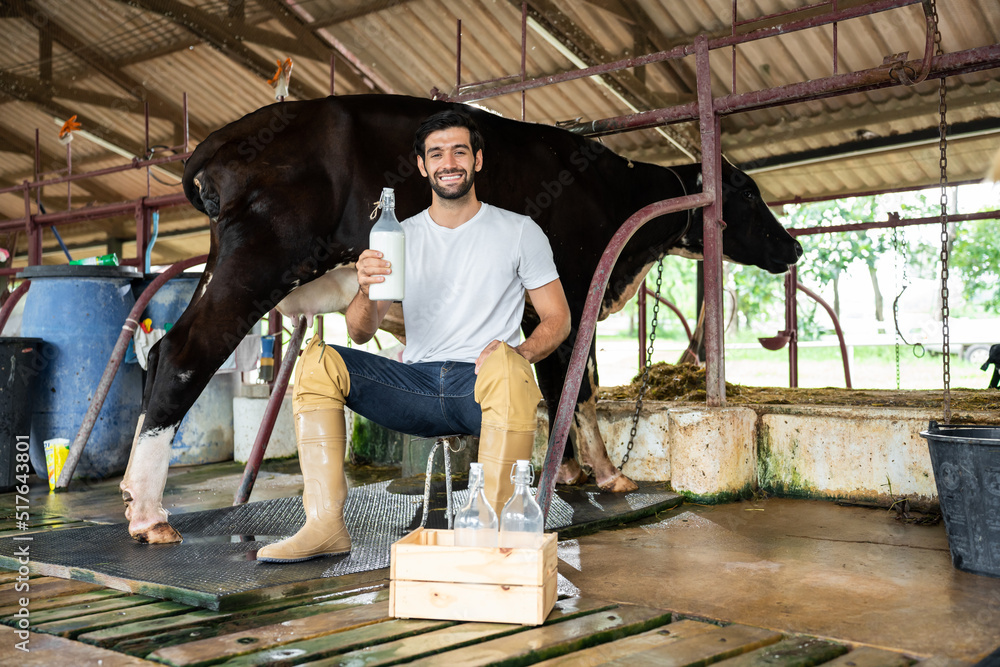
x,y
479,159
420,166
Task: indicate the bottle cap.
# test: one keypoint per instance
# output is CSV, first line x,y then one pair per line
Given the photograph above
x,y
522,468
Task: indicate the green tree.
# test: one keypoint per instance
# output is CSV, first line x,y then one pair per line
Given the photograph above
x,y
827,256
975,257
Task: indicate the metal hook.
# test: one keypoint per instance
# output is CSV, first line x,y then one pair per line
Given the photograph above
x,y
899,70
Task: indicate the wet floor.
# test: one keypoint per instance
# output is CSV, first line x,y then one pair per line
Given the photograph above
x,y
847,573
801,566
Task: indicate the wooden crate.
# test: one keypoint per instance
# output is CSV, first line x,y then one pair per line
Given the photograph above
x,y
433,579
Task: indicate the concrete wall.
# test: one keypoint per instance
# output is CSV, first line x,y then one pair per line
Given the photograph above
x,y
716,454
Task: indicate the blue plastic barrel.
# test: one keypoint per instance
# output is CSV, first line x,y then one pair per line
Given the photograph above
x,y
78,311
206,433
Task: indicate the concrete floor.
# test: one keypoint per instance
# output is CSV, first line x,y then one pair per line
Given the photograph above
x,y
813,567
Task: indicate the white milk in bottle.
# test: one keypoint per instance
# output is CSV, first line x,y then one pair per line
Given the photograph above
x,y
387,237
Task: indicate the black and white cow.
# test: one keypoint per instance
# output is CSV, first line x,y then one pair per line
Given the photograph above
x,y
994,359
289,189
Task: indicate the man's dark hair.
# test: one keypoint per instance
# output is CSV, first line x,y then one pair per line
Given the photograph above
x,y
444,120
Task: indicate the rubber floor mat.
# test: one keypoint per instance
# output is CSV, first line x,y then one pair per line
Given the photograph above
x,y
216,567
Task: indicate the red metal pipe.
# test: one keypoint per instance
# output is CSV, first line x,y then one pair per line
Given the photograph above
x,y
960,62
91,212
894,221
69,172
862,9
333,73
863,193
836,51
524,51
677,311
642,325
836,325
33,232
711,152
641,303
101,392
275,328
136,163
8,306
792,325
270,415
588,322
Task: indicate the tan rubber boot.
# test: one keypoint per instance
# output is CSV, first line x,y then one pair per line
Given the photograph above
x,y
321,384
508,395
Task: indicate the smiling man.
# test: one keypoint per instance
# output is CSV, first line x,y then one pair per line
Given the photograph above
x,y
464,369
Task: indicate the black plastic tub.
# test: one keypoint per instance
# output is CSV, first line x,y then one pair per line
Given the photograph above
x,y
19,369
966,464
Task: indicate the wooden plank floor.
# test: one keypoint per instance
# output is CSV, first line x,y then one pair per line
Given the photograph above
x,y
72,623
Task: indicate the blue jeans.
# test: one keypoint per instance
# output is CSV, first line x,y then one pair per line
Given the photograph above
x,y
424,399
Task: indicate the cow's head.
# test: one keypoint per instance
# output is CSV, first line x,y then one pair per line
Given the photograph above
x,y
753,235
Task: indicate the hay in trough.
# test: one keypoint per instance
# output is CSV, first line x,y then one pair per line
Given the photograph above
x,y
686,383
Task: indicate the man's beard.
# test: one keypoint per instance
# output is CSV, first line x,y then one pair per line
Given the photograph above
x,y
453,194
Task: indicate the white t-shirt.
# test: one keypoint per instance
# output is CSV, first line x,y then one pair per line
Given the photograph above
x,y
465,286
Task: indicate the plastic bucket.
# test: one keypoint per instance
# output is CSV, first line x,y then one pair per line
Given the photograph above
x,y
966,464
78,311
20,365
206,434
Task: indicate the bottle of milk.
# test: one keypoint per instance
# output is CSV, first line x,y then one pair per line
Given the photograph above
x,y
476,523
521,521
387,237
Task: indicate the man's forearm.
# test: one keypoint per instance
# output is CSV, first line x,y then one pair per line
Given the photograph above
x,y
362,318
547,336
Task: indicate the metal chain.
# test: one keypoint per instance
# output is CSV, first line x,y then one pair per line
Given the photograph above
x,y
943,162
645,369
895,303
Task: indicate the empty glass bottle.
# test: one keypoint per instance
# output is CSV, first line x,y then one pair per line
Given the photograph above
x,y
387,237
476,523
521,520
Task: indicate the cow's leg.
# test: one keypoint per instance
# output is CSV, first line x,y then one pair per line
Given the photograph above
x,y
182,364
590,444
551,372
995,381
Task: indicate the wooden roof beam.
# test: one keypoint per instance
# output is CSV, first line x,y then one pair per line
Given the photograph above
x,y
106,134
211,30
360,78
587,51
158,105
10,83
351,14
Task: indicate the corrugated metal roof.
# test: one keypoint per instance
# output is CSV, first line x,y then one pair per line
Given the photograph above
x,y
108,55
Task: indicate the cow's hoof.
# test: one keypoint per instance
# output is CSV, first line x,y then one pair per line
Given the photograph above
x,y
571,473
619,483
158,533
